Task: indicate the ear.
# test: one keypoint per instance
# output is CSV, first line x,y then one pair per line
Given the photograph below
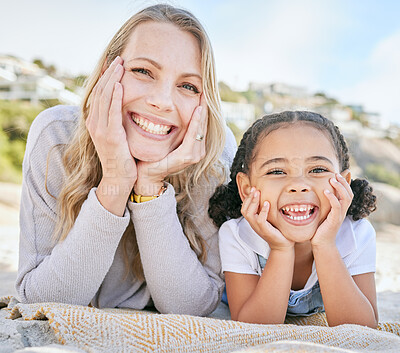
x,y
347,175
243,184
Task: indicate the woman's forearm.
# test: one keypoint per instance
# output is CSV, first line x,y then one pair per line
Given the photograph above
x,y
178,282
344,302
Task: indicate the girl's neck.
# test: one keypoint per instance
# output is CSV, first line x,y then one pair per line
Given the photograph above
x,y
302,264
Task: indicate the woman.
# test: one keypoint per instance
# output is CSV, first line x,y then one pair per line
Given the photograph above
x,y
115,196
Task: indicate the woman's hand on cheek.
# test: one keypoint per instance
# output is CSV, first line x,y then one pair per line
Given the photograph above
x,y
259,223
340,203
190,151
104,124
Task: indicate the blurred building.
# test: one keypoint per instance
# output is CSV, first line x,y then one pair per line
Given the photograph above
x,y
240,114
22,80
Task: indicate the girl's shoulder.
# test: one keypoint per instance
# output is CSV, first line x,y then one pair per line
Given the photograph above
x,y
353,236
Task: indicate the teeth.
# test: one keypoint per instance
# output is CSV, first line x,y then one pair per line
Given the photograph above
x,y
151,127
299,218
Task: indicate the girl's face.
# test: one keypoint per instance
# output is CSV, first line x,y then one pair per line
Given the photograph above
x,y
291,170
162,85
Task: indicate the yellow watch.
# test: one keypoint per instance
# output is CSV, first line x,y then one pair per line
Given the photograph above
x,y
141,198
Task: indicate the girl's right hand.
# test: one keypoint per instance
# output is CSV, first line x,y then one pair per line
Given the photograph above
x,y
104,124
259,223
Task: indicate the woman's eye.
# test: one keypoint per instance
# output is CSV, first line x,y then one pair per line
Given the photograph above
x,y
276,172
141,70
319,170
190,87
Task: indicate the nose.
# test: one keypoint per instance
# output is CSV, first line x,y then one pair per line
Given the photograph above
x,y
160,97
298,185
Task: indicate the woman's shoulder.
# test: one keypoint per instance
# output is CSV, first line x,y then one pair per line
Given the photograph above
x,y
53,126
230,147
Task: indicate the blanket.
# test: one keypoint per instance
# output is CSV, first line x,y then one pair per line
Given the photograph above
x,y
118,330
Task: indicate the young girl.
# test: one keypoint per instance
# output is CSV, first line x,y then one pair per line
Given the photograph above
x,y
302,245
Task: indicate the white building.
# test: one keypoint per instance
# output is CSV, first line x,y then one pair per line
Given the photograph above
x,y
22,80
241,114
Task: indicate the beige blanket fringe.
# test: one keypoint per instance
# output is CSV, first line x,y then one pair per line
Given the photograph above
x,y
117,330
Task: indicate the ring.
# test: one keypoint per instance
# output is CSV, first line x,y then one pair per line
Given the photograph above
x,y
199,137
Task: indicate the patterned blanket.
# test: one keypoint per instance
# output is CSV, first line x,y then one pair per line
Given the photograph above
x,y
117,330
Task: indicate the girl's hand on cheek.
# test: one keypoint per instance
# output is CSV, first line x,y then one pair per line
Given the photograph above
x,y
191,150
259,223
104,124
340,203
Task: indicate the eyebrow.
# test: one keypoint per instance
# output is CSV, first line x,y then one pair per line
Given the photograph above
x,y
159,67
285,160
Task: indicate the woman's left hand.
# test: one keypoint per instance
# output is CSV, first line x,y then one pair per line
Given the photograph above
x,y
326,232
151,175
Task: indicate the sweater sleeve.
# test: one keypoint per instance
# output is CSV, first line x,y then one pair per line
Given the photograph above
x,y
70,271
178,282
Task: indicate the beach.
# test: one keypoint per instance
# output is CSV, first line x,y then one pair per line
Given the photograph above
x,y
387,273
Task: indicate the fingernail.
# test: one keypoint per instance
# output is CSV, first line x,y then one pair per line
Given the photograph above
x,y
116,59
265,203
333,180
118,68
327,191
199,109
252,189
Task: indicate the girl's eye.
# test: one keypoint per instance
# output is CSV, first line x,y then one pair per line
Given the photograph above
x,y
318,170
141,70
276,172
190,87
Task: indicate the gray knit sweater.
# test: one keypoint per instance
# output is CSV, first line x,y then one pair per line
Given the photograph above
x,y
88,267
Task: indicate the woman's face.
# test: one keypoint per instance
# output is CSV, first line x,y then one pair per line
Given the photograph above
x,y
162,85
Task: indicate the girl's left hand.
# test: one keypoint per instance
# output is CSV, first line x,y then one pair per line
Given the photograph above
x,y
326,232
191,151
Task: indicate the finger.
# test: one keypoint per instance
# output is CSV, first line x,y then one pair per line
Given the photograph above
x,y
334,202
115,116
98,116
247,201
254,203
346,185
106,96
341,191
107,73
264,212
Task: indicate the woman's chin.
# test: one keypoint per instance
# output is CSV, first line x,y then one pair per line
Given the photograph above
x,y
149,155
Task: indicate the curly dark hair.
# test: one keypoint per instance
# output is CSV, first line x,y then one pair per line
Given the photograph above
x,y
226,203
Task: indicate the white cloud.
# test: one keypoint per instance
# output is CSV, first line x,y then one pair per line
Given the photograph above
x,y
379,90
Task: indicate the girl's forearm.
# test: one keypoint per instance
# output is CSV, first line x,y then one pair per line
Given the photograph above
x,y
268,303
344,302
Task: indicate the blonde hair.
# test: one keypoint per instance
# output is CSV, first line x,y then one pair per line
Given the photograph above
x,y
83,167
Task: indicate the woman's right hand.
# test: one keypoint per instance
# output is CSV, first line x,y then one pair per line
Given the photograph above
x,y
104,124
259,223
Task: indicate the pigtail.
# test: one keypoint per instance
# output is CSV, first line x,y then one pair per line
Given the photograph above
x,y
364,201
226,203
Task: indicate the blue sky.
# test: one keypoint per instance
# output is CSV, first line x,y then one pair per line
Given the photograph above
x,y
349,49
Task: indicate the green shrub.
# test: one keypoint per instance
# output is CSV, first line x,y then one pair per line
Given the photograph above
x,y
377,172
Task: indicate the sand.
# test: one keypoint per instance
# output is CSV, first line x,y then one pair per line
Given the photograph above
x,y
388,258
